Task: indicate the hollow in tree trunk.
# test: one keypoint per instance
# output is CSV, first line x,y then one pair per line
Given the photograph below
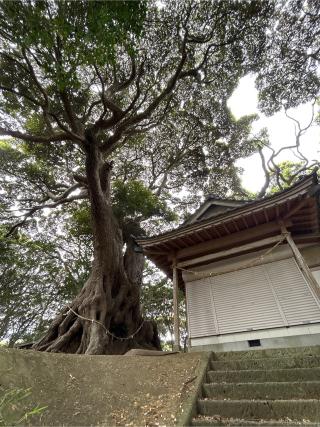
x,y
105,318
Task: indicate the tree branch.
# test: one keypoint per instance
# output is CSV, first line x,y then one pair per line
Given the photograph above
x,y
266,174
21,95
34,209
57,137
108,146
73,120
126,83
271,167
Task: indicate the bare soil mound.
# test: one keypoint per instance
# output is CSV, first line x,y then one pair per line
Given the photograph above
x,y
84,390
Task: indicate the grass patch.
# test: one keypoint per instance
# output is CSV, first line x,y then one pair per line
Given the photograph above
x,y
14,408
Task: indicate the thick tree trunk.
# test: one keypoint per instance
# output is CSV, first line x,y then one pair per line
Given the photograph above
x,y
105,318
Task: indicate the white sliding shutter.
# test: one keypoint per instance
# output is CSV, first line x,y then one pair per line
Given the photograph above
x,y
200,309
262,297
297,301
245,301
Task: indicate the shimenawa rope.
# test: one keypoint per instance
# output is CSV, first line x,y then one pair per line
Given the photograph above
x,y
107,330
250,264
197,273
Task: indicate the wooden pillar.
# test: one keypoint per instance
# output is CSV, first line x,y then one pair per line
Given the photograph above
x,y
176,345
301,262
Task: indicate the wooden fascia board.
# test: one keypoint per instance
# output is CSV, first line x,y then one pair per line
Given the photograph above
x,y
227,203
248,209
207,204
232,239
245,248
232,251
199,212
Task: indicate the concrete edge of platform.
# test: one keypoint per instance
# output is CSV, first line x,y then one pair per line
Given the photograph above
x,y
189,407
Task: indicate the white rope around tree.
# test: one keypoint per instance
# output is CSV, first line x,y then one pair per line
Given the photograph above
x,y
107,330
197,273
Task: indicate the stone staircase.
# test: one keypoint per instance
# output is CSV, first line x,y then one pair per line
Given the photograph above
x,y
273,387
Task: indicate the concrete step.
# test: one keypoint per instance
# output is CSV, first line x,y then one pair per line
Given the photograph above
x,y
219,422
272,352
261,409
268,390
272,375
267,363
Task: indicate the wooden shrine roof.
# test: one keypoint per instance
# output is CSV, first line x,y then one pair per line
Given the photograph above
x,y
241,222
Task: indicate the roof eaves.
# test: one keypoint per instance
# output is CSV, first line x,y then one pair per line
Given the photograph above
x,y
301,187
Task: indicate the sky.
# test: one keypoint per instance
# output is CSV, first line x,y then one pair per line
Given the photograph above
x,y
281,131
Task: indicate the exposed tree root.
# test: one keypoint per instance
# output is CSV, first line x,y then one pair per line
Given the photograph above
x,y
105,318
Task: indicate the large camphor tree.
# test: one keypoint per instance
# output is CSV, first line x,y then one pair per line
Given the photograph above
x,y
106,81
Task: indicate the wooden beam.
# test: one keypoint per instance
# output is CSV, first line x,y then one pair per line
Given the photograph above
x,y
176,346
255,219
208,235
230,240
307,238
235,225
244,221
226,228
306,212
296,208
163,244
233,251
200,237
189,240
175,244
215,229
307,226
151,252
301,262
288,204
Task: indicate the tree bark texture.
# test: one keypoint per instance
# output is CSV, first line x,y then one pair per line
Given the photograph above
x,y
110,298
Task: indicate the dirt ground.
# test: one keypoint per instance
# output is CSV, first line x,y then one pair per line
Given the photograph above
x,y
83,390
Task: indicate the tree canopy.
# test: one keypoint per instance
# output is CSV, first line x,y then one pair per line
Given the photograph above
x,y
289,73
120,107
